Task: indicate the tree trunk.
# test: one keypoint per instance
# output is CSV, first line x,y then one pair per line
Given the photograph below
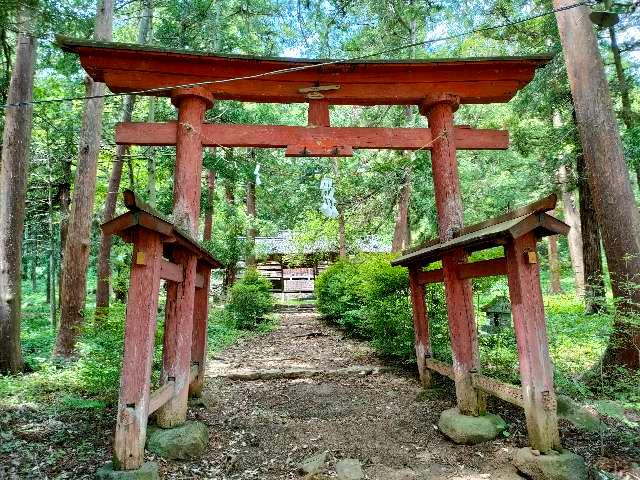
x,y
607,176
151,161
208,213
574,238
51,278
401,237
251,231
76,251
594,294
13,181
554,266
627,113
230,271
106,241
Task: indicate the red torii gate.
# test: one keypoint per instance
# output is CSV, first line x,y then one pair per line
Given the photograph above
x,y
438,87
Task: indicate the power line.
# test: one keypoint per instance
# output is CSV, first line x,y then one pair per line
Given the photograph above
x,y
304,67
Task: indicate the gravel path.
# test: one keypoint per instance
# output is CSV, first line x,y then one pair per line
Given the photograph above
x,y
262,429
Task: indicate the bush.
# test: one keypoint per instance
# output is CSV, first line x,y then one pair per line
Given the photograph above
x,y
249,300
370,298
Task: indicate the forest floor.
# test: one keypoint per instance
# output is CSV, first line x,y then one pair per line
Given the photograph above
x,y
304,388
272,400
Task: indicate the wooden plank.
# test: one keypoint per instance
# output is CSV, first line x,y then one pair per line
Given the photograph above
x,y
420,326
430,276
483,268
313,150
442,368
324,138
504,391
318,114
171,271
139,339
536,370
117,225
161,396
543,205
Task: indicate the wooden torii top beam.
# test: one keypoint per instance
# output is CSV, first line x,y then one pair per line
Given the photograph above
x,y
128,68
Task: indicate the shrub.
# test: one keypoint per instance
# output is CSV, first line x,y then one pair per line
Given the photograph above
x,y
249,300
370,298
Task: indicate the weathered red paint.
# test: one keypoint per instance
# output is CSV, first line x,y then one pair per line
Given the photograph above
x,y
128,68
462,328
176,352
179,315
139,337
192,104
420,326
281,136
318,114
199,335
536,371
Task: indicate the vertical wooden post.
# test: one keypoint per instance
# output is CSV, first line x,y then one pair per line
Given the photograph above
x,y
178,328
462,329
139,336
420,326
536,371
199,336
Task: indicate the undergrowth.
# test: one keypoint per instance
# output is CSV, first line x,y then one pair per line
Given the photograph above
x,y
369,298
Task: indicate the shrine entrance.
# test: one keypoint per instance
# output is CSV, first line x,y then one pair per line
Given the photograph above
x,y
437,87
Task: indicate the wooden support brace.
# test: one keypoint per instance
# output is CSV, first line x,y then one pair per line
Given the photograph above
x,y
503,391
420,326
483,268
442,368
139,337
161,396
171,271
536,371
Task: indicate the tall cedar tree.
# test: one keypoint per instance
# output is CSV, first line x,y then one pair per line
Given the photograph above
x,y
75,261
13,181
608,178
106,241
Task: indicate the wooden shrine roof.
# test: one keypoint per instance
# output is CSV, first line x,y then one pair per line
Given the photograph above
x,y
142,215
128,67
492,236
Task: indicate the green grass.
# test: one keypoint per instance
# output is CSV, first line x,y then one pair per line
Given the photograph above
x,y
91,382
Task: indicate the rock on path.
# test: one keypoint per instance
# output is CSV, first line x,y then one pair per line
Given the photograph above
x,y
265,427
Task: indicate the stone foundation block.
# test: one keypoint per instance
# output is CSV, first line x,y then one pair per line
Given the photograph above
x,y
148,471
179,443
468,430
563,465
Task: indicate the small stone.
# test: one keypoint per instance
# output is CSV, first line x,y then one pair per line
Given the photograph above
x,y
563,466
148,471
180,443
349,469
313,465
468,430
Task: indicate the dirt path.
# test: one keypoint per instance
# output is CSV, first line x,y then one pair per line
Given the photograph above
x,y
261,429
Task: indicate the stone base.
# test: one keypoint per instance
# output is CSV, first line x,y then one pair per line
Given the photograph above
x,y
148,471
469,430
179,443
551,466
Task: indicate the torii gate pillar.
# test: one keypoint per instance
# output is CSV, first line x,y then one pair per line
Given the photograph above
x,y
185,322
439,111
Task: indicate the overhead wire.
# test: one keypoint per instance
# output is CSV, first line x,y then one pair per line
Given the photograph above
x,y
303,67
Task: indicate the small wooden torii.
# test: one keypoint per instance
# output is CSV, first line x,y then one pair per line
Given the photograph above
x,y
437,87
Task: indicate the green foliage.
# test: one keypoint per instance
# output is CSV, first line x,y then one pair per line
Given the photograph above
x,y
250,300
370,298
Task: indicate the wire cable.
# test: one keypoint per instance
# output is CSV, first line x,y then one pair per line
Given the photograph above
x,y
301,67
